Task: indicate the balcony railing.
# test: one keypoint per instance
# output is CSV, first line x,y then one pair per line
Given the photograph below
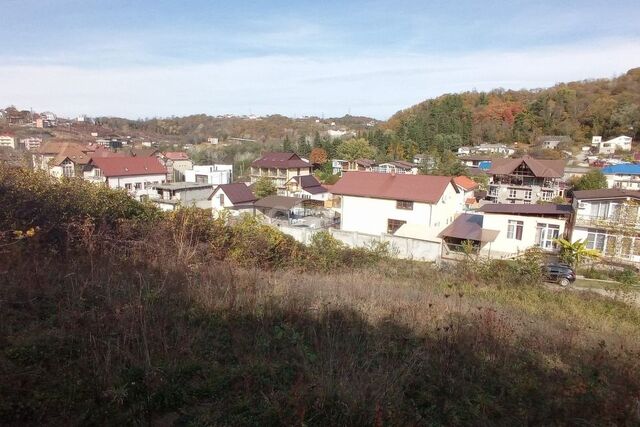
x,y
598,221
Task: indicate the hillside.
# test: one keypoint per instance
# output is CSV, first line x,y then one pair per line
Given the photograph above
x,y
606,107
112,313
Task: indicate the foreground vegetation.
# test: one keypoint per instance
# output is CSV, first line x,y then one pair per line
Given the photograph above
x,y
111,313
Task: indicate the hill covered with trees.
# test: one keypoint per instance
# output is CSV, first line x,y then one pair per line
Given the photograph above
x,y
607,107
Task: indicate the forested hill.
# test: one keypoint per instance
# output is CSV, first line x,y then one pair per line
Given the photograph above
x,y
607,107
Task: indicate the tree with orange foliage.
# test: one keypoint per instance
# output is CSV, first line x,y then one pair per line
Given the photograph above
x,y
318,156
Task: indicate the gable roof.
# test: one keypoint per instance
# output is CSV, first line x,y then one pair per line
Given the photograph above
x,y
540,168
127,166
606,193
280,160
416,188
237,193
366,163
56,147
72,153
622,169
465,183
309,183
143,151
176,155
527,209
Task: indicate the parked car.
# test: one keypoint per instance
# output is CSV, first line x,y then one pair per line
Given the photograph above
x,y
561,274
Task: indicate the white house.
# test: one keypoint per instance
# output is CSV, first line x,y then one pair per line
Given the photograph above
x,y
210,174
609,147
608,220
31,143
625,175
233,198
137,175
182,194
306,187
466,196
416,206
7,141
503,230
176,162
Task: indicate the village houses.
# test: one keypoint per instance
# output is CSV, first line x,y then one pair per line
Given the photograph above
x,y
137,175
620,143
416,206
306,187
279,168
234,198
525,180
176,162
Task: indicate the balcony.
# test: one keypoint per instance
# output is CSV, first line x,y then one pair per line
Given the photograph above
x,y
598,221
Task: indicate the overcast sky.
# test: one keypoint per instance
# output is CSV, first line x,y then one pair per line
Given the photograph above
x,y
160,58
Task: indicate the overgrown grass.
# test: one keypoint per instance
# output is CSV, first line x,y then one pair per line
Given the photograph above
x,y
181,320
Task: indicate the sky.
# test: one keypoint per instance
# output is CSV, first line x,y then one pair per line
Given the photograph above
x,y
160,58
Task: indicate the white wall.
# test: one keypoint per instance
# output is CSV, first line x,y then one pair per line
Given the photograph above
x,y
7,141
368,215
504,245
145,180
216,174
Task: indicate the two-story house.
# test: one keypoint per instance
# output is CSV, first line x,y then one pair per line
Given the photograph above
x,y
306,187
608,221
620,143
279,168
501,230
182,194
525,180
234,198
416,206
176,162
625,176
137,175
210,174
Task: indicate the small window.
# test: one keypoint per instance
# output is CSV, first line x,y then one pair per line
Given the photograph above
x,y
393,225
138,186
127,186
514,229
512,193
404,204
221,199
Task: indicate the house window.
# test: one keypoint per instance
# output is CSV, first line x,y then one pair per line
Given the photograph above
x,y
221,199
393,225
404,204
97,172
546,234
138,186
201,179
513,193
527,194
514,229
127,186
67,169
596,240
547,195
599,210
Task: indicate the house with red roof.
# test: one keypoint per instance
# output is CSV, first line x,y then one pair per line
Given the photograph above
x,y
467,188
525,180
415,206
279,168
137,175
176,162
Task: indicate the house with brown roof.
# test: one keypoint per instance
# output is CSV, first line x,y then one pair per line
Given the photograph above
x,y
467,188
506,230
525,180
608,220
235,198
279,168
415,206
306,187
136,175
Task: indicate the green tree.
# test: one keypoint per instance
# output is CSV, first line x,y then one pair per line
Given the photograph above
x,y
265,187
592,180
356,149
287,147
448,164
576,253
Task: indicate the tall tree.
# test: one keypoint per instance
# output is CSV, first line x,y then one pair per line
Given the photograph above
x,y
354,149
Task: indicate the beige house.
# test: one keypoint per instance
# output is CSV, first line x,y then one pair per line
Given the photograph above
x,y
279,168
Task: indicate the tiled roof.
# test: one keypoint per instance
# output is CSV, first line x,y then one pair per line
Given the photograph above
x,y
72,153
527,209
465,183
281,161
540,168
310,184
127,166
237,192
55,147
417,188
605,193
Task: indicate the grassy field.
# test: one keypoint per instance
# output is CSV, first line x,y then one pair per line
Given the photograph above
x,y
116,315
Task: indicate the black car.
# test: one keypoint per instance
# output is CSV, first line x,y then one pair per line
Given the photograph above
x,y
561,274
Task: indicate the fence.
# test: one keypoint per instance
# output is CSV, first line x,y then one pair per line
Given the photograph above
x,y
401,247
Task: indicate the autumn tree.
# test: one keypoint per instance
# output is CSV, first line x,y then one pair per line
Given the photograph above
x,y
354,149
318,156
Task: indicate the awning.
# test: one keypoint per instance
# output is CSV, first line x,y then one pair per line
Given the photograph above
x,y
469,227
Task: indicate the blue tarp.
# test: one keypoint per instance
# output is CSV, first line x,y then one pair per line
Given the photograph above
x,y
486,165
623,169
